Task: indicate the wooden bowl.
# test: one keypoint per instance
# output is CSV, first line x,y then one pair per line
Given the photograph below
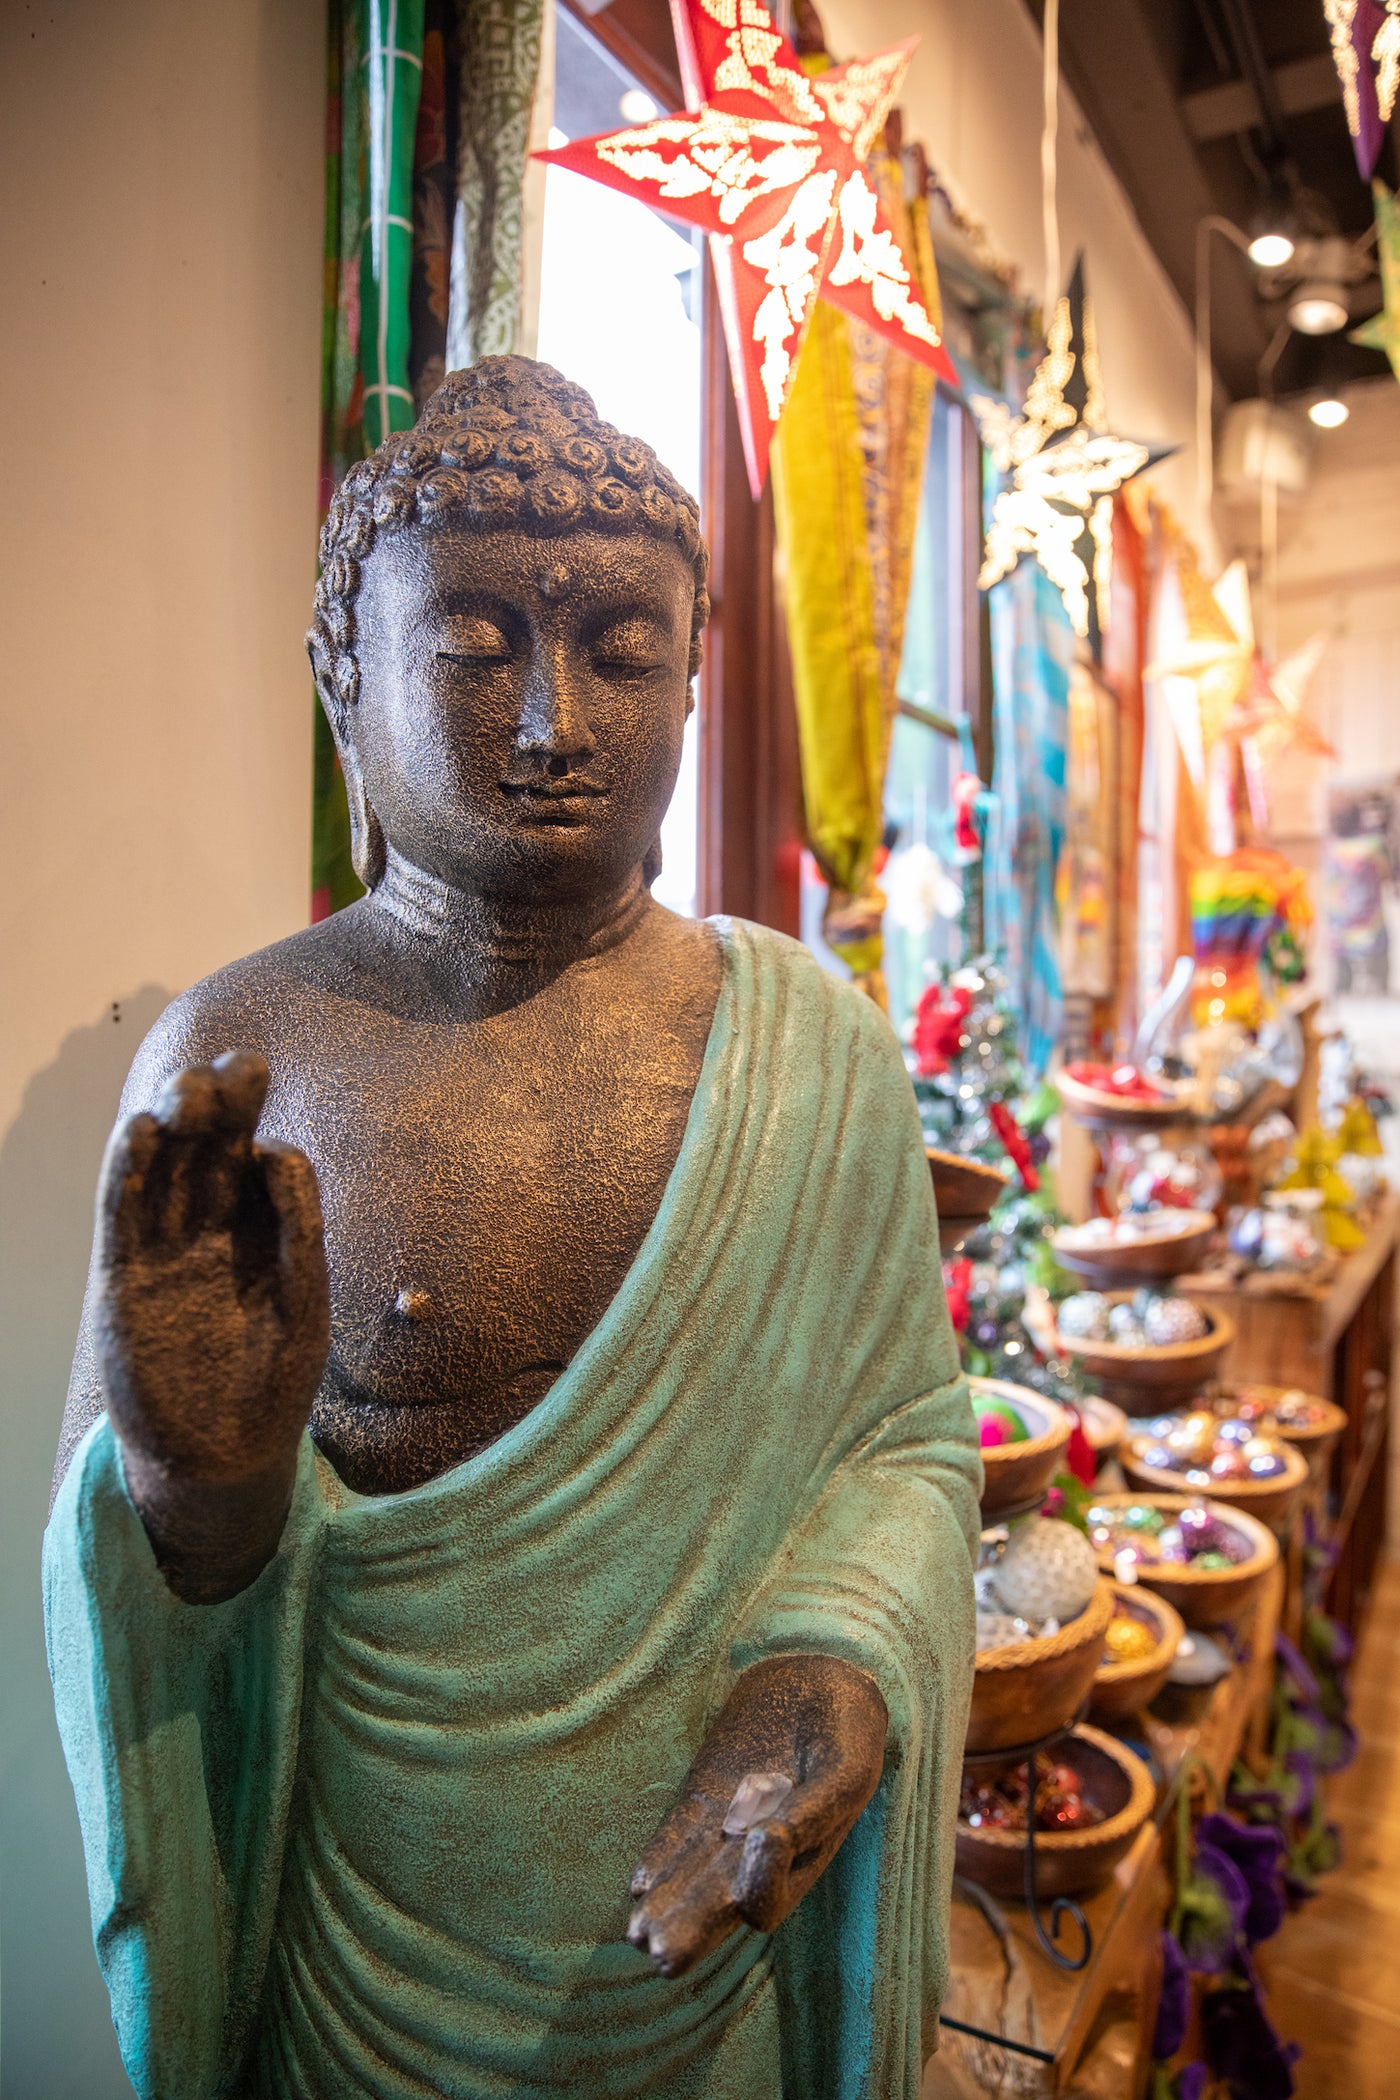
x,y
1028,1688
1017,1476
1202,1597
1315,1441
1146,1380
1147,1258
1103,1424
1268,1500
1125,1688
1100,1111
1068,1862
965,1191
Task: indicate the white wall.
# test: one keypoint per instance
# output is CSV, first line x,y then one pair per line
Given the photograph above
x,y
973,100
160,248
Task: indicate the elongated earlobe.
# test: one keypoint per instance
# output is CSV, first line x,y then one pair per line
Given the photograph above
x,y
367,852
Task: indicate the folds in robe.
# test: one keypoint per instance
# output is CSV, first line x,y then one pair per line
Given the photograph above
x,y
368,1827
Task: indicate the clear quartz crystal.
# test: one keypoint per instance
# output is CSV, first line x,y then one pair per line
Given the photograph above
x,y
757,1796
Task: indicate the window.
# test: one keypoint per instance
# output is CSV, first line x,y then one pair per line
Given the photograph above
x,y
620,312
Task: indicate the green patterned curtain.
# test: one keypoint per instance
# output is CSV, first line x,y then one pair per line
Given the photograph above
x,y
428,112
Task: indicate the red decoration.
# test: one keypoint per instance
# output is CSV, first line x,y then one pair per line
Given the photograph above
x,y
769,161
966,836
1017,1147
1124,1080
1080,1456
938,1025
957,1285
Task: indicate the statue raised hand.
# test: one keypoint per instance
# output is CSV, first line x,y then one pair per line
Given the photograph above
x,y
213,1321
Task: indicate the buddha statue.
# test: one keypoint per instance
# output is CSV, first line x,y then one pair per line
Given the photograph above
x,y
509,1583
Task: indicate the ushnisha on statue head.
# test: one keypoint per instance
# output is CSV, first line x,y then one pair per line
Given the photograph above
x,y
507,622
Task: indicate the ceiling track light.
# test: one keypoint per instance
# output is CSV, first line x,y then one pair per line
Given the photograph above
x,y
1329,413
1319,307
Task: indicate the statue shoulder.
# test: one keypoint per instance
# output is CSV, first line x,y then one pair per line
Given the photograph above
x,y
246,1005
832,1002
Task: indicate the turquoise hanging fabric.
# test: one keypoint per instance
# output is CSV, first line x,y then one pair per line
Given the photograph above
x,y
1032,653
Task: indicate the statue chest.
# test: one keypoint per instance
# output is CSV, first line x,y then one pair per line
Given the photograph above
x,y
485,1195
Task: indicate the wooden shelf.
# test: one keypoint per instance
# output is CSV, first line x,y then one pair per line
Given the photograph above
x,y
1012,2022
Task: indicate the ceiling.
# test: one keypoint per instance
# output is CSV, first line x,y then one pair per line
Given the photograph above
x,y
1195,102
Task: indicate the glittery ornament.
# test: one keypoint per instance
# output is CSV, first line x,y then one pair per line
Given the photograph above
x,y
1084,1317
1169,1321
1128,1640
1047,1571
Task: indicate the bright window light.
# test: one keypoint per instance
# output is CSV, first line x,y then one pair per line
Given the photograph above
x,y
620,315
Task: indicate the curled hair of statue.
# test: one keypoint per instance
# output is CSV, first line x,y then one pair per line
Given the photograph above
x,y
507,445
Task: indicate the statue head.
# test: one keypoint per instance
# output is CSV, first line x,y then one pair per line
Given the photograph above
x,y
507,622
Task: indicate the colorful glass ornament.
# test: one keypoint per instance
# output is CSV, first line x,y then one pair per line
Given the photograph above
x,y
769,161
1365,48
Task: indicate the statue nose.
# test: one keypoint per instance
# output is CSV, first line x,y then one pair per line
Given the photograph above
x,y
553,725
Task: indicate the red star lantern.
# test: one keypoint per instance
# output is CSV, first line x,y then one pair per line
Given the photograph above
x,y
770,163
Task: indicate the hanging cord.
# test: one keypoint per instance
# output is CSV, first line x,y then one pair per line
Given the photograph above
x,y
1049,165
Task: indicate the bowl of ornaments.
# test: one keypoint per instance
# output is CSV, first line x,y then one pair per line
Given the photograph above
x,y
1139,1647
1117,1098
1149,1350
964,1193
1209,1561
1023,1438
1305,1421
1135,1246
1042,1611
1092,1797
1220,1455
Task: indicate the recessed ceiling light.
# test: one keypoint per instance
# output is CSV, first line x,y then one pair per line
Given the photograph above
x,y
1318,308
1329,414
1271,250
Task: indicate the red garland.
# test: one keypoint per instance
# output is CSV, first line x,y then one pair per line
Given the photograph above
x,y
1014,1139
957,1283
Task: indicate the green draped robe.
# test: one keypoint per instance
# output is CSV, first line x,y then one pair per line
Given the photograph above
x,y
368,1827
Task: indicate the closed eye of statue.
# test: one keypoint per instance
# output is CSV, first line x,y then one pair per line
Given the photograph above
x,y
477,640
635,645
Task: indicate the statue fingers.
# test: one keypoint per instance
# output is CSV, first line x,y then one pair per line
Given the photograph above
x,y
689,1913
760,1883
207,1115
295,1198
123,1188
695,1818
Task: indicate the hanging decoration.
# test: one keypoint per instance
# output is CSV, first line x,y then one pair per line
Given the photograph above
x,y
1366,50
770,161
1248,713
427,111
848,468
1060,468
1382,331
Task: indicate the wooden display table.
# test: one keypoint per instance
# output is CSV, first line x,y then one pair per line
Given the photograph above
x,y
1333,1337
1015,2024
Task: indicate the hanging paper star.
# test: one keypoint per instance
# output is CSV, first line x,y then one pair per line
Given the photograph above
x,y
1244,705
1382,331
769,161
1062,468
1365,46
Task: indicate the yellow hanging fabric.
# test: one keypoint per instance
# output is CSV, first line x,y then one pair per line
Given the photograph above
x,y
848,461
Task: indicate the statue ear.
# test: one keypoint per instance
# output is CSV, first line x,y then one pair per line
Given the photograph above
x,y
367,852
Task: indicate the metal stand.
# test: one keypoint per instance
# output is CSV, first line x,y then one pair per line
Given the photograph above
x,y
1062,1907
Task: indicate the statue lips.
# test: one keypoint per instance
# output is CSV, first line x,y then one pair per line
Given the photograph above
x,y
546,798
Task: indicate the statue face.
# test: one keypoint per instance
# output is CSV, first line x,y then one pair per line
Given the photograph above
x,y
522,702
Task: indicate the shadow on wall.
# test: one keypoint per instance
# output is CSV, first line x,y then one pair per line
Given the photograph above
x,y
57,2040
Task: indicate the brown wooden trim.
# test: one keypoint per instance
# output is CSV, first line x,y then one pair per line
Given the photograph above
x,y
750,778
639,35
